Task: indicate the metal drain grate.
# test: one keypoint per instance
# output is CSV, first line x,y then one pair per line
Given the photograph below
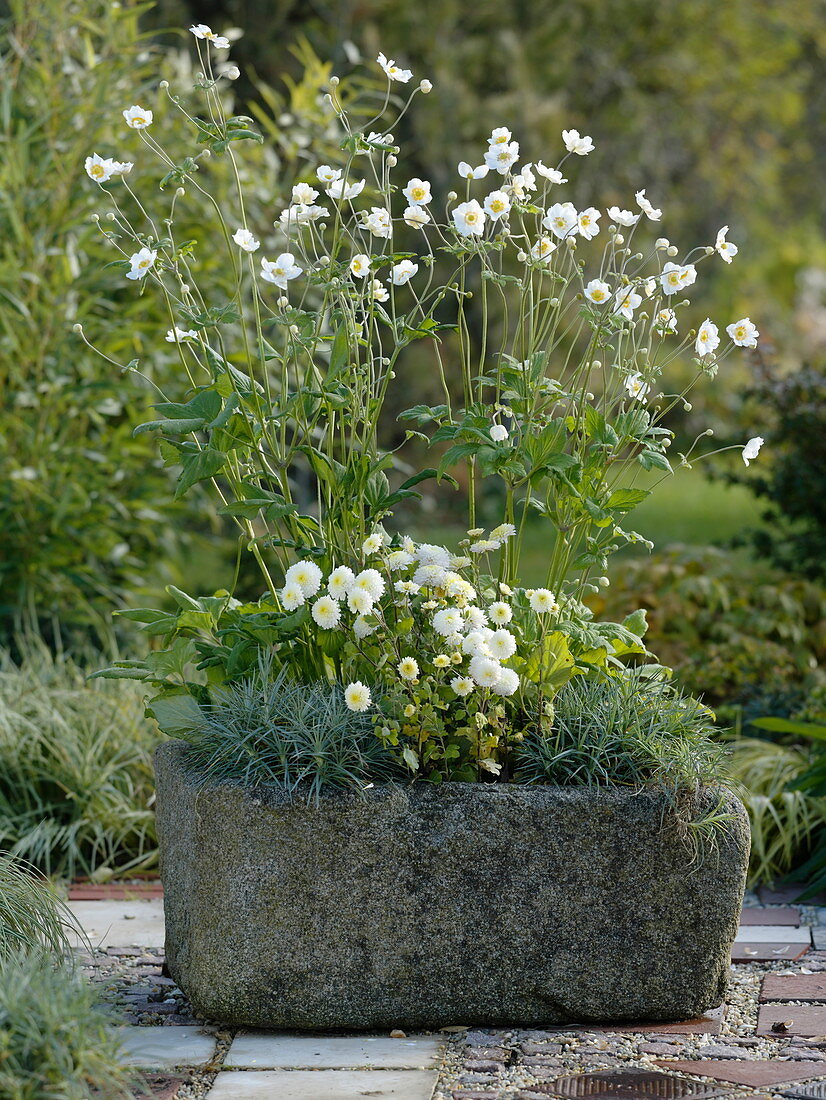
x,y
632,1084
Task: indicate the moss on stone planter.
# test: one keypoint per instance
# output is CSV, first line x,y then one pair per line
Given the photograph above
x,y
426,906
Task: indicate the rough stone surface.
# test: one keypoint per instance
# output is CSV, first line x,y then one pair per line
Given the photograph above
x,y
425,906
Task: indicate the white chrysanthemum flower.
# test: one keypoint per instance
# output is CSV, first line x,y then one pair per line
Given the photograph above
x,y
500,135
369,581
202,31
340,189
475,644
666,320
475,619
393,71
500,613
576,144
500,157
752,448
725,248
626,301
417,192
360,265
744,333
484,546
708,338
485,671
408,668
399,559
561,218
292,596
245,240
403,272
459,561
448,621
280,270
553,175
326,612
469,218
360,601
138,118
306,574
497,204
502,644
458,587
407,588
379,291
499,433
363,628
462,685
378,222
441,660
372,544
587,223
543,249
636,386
179,335
428,553
650,211
304,194
429,576
99,168
507,683
141,263
623,217
326,174
543,602
357,696
340,582
469,173
597,291
416,217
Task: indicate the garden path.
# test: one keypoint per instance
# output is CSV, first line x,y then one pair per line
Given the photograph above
x,y
769,1040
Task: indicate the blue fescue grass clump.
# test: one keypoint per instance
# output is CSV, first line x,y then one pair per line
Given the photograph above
x,y
268,730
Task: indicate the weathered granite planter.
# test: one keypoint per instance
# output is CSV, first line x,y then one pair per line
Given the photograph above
x,y
429,906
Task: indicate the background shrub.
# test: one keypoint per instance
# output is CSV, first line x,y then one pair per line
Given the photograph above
x,y
31,916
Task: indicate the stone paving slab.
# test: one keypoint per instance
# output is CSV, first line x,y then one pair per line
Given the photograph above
x,y
755,1073
804,1020
782,916
265,1051
324,1084
794,987
767,952
709,1024
766,933
121,923
165,1047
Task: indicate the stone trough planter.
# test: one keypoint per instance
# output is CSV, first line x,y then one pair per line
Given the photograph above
x,y
427,906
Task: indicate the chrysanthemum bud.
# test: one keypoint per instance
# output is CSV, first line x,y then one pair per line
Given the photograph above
x,y
425,86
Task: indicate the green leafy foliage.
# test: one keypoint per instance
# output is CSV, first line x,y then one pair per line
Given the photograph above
x,y
31,915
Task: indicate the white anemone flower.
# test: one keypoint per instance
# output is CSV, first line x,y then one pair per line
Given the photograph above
x,y
666,320
378,222
627,300
326,174
98,168
245,240
676,277
562,219
743,332
301,214
280,270
379,291
470,173
708,338
360,266
469,218
138,118
417,192
650,211
206,34
623,217
307,575
357,696
501,157
587,223
403,272
416,217
141,262
393,71
498,433
597,291
582,146
501,135
179,335
497,204
303,193
553,175
326,612
752,448
636,386
340,189
726,249
543,249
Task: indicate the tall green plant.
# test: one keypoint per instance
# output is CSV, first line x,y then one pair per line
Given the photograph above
x,y
31,916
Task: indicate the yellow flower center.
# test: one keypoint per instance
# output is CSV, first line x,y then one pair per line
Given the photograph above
x,y
418,193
